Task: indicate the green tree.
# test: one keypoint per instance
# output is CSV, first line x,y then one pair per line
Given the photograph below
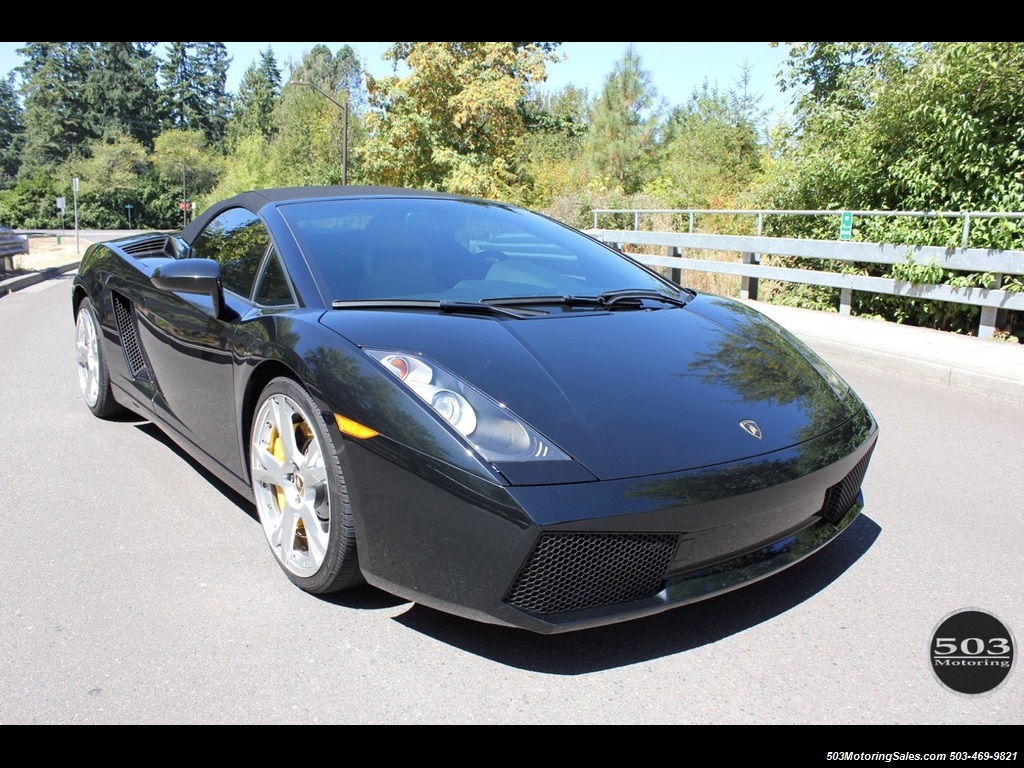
x,y
258,94
111,178
556,125
710,152
624,123
30,204
186,163
194,78
340,74
116,165
214,64
841,75
121,91
11,132
309,148
934,127
251,165
456,121
56,115
940,130
314,129
949,133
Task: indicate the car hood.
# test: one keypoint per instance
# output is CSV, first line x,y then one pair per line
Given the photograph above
x,y
634,392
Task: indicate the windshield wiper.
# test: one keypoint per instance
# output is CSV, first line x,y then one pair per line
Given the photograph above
x,y
633,297
450,307
639,295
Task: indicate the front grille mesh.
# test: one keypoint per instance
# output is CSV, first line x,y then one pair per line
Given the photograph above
x,y
575,571
129,339
841,496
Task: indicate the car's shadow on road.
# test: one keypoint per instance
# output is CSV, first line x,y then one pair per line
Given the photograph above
x,y
675,631
230,493
576,653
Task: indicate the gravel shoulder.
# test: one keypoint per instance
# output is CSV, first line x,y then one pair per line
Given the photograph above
x,y
46,253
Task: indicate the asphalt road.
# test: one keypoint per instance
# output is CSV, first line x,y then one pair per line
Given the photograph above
x,y
137,590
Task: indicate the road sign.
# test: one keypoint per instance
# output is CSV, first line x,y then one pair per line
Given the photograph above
x,y
846,226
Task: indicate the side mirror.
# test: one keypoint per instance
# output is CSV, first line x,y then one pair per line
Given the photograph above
x,y
194,276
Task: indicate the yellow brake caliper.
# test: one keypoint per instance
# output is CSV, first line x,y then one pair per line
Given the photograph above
x,y
277,448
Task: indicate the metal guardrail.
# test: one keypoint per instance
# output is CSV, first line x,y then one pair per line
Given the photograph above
x,y
691,214
991,300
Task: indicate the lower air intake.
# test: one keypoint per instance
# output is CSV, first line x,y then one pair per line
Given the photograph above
x,y
575,571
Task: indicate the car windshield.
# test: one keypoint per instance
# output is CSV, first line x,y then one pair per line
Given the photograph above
x,y
421,249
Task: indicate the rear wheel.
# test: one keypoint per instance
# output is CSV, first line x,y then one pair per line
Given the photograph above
x,y
300,491
93,373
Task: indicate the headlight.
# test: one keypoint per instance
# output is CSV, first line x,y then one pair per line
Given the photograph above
x,y
494,431
456,410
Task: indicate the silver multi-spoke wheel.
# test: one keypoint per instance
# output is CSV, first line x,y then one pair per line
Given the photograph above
x,y
93,376
87,351
299,491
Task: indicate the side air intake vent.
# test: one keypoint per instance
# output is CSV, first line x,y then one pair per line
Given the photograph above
x,y
125,318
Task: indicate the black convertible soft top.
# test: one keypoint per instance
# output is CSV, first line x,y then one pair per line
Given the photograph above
x,y
256,200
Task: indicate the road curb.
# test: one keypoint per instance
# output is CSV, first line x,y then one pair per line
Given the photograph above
x,y
20,282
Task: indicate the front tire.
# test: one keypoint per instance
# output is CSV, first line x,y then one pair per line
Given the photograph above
x,y
300,490
93,373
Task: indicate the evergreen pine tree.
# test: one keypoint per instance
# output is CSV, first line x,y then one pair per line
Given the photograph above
x,y
253,107
12,132
56,115
623,125
122,91
194,77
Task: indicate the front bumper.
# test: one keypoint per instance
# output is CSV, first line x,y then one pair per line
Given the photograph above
x,y
553,559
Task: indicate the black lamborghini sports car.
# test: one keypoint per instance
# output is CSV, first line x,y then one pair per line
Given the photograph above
x,y
472,406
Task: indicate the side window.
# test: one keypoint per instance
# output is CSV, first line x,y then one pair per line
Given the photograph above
x,y
273,290
238,241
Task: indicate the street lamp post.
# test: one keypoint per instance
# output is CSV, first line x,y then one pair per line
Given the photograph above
x,y
344,109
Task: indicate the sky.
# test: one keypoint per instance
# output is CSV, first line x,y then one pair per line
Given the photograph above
x,y
676,69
